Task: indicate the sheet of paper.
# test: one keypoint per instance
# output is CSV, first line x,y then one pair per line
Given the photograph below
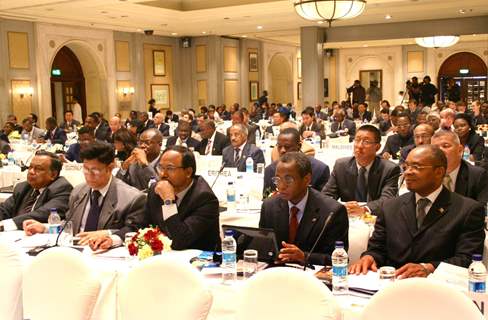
x,y
37,240
368,281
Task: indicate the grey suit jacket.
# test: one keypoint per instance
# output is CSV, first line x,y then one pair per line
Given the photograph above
x,y
36,132
249,150
139,176
382,181
55,195
122,208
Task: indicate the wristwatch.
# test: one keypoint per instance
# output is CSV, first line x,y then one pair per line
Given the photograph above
x,y
169,202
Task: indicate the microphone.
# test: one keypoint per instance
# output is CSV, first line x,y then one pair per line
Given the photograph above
x,y
218,174
317,241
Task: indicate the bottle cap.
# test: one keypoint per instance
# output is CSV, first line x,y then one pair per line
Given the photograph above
x,y
339,244
53,209
229,233
477,257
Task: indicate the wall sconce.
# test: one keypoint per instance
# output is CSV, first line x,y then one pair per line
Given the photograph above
x,y
126,90
22,91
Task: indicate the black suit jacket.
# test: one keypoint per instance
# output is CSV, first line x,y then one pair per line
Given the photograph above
x,y
164,129
275,215
452,231
395,143
472,182
221,141
476,144
320,175
64,125
249,150
382,181
190,142
347,124
196,225
366,116
59,136
317,128
103,132
148,125
55,195
384,126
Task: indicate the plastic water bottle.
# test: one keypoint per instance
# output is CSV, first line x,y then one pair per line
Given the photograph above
x,y
466,153
54,221
152,181
249,165
477,275
10,159
231,197
339,269
229,260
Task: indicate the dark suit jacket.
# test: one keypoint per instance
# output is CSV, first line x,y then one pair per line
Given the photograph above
x,y
196,225
122,209
249,150
317,128
382,181
320,174
190,142
451,232
164,129
275,215
366,116
64,125
472,182
149,125
347,124
138,176
384,126
59,136
396,142
405,151
103,132
221,141
73,153
476,144
55,195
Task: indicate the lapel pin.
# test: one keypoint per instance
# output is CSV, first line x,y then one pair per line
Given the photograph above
x,y
441,210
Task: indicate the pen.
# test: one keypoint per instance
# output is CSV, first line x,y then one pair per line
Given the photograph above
x,y
18,240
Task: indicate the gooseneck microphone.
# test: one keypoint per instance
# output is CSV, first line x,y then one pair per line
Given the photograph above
x,y
317,241
218,174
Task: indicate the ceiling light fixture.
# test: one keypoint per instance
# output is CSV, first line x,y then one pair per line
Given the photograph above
x,y
329,10
437,41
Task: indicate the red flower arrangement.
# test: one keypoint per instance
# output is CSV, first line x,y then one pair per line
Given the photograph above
x,y
148,242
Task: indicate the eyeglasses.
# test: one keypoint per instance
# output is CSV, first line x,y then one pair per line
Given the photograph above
x,y
364,142
415,167
145,142
92,171
169,169
288,180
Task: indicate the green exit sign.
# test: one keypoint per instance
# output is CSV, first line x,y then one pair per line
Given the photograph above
x,y
56,72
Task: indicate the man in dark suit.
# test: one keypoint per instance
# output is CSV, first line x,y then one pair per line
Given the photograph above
x,y
54,134
184,137
85,138
235,155
240,116
182,203
213,142
289,141
43,190
104,208
422,134
102,130
69,124
363,177
147,123
343,125
160,125
362,113
278,118
461,177
298,213
426,226
399,140
142,165
310,127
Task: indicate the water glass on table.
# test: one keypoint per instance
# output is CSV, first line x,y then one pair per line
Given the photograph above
x,y
67,234
260,168
386,276
250,263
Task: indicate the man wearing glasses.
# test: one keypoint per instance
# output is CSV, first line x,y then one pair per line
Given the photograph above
x,y
104,208
401,139
182,203
365,180
426,226
141,165
298,213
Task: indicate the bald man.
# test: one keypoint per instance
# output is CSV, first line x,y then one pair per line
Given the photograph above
x,y
421,135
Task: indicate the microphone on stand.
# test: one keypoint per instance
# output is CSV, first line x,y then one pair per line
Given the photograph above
x,y
218,174
317,241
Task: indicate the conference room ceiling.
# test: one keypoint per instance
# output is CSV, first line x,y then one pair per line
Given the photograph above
x,y
260,19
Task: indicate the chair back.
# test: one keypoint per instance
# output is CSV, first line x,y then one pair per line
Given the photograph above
x,y
11,283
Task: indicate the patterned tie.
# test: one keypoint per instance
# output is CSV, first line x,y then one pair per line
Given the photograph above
x,y
29,204
209,147
94,213
447,182
236,155
361,193
293,227
421,205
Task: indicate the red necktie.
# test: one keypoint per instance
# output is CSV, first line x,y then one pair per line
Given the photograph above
x,y
293,227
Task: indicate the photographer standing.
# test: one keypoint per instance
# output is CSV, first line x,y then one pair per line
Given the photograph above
x,y
358,92
427,92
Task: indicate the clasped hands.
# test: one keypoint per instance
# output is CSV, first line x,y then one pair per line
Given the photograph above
x,y
138,155
408,270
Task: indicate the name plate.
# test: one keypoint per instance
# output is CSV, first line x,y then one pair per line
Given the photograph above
x,y
481,302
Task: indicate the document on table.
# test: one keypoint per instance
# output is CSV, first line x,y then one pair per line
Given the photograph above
x,y
36,240
369,281
452,275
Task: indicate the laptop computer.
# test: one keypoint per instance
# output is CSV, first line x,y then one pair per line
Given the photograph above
x,y
261,239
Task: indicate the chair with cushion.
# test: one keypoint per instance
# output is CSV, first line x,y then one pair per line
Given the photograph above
x,y
11,283
420,298
286,294
60,284
164,288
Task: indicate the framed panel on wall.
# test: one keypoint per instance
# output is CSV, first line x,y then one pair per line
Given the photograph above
x,y
159,63
299,68
253,90
160,93
299,90
253,62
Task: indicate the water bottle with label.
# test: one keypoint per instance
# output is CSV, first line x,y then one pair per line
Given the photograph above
x,y
249,165
231,197
54,221
477,275
340,261
10,159
466,153
229,260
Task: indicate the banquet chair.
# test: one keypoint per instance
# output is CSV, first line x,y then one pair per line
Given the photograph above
x,y
163,288
420,298
287,294
60,284
11,283
358,240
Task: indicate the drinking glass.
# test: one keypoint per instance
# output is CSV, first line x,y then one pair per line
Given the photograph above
x,y
250,263
260,168
386,276
67,235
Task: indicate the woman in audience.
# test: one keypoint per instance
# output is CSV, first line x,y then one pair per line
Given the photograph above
x,y
124,143
132,115
466,131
